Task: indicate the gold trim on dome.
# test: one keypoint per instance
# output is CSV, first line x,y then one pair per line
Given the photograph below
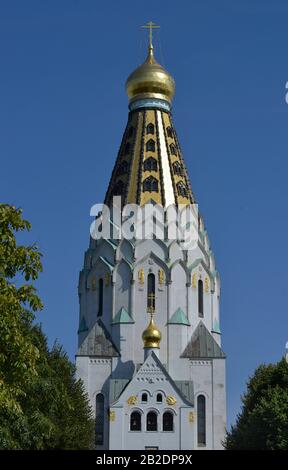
x,y
150,80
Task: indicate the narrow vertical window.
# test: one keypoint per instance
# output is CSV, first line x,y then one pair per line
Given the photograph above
x,y
151,293
151,424
99,420
100,297
200,299
135,421
201,420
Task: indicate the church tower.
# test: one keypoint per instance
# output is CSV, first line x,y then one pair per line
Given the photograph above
x,y
149,339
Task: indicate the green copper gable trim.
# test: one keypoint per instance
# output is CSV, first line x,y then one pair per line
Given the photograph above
x,y
82,326
122,317
110,266
178,318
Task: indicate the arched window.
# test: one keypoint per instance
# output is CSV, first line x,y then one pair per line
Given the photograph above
x,y
201,420
177,169
168,421
150,184
182,190
150,128
159,398
173,149
151,293
100,297
135,421
151,421
123,168
169,132
150,164
150,146
119,188
144,397
200,298
99,420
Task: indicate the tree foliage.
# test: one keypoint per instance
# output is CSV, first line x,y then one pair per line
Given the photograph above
x,y
263,421
42,405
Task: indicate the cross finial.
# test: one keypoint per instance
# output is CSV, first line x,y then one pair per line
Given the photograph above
x,y
150,25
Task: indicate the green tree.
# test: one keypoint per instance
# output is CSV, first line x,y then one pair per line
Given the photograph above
x,y
263,421
18,355
42,405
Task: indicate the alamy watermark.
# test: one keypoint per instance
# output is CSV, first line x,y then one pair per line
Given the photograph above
x,y
134,222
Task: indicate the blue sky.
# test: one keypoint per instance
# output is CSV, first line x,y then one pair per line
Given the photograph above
x,y
63,109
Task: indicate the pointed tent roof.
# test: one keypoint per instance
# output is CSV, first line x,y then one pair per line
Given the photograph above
x,y
202,345
98,343
178,318
122,317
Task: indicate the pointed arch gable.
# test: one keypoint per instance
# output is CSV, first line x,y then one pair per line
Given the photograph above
x,y
157,261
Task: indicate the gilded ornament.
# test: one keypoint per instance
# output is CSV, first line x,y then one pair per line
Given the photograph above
x,y
132,400
206,283
93,283
161,276
194,280
141,276
107,280
171,400
112,416
191,417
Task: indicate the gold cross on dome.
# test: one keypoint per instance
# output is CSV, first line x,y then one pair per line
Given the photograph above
x,y
150,25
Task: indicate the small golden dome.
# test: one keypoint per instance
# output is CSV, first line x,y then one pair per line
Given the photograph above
x,y
150,80
151,336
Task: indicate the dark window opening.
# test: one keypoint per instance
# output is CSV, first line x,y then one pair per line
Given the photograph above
x,y
127,148
100,297
201,420
135,421
144,397
150,184
173,149
150,146
159,398
168,421
169,132
119,188
150,164
123,168
200,298
177,169
151,421
151,293
150,128
130,132
182,190
99,420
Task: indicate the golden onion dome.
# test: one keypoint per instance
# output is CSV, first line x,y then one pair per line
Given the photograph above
x,y
151,336
150,80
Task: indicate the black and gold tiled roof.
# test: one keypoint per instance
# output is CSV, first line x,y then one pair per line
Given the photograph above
x,y
149,165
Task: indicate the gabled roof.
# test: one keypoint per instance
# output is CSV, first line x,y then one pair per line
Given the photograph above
x,y
116,388
82,326
98,343
202,345
178,318
150,366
